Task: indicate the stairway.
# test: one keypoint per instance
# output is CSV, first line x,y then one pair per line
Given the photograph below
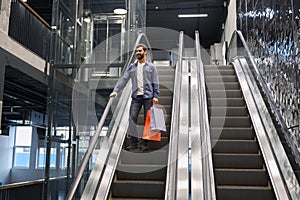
x,y
142,175
239,167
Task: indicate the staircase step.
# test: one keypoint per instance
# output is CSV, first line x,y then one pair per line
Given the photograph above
x,y
235,146
138,189
243,177
238,161
244,192
232,133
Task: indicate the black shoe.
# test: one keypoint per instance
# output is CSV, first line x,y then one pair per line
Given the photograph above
x,y
132,147
144,148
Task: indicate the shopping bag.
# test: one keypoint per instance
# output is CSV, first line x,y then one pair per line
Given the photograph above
x,y
148,134
157,121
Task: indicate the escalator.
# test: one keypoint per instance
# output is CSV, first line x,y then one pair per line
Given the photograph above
x,y
239,168
142,175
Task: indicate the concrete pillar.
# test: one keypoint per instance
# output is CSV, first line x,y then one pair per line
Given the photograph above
x,y
2,77
4,15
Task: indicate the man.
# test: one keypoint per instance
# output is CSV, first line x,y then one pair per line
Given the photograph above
x,y
145,90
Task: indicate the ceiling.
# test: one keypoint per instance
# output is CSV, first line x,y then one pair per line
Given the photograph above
x,y
162,13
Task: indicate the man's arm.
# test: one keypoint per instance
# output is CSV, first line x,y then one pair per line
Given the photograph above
x,y
121,83
155,84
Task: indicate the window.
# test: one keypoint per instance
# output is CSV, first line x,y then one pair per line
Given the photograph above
x,y
22,146
41,158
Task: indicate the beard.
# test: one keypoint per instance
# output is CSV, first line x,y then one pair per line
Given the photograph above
x,y
139,56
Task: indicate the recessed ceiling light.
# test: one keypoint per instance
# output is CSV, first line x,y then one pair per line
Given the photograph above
x,y
120,11
192,15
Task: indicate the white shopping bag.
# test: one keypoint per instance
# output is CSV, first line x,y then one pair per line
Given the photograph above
x,y
157,120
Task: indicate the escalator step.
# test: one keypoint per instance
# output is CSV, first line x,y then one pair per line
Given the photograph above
x,y
244,177
224,94
244,192
209,72
216,79
218,67
227,111
232,121
223,86
138,172
158,157
235,146
232,133
238,161
229,102
138,189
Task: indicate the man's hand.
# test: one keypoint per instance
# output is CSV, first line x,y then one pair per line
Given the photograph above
x,y
113,94
155,101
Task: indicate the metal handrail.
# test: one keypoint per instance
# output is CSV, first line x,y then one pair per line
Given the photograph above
x,y
170,187
282,176
100,126
196,153
208,175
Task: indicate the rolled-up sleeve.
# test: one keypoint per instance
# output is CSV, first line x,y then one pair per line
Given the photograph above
x,y
155,82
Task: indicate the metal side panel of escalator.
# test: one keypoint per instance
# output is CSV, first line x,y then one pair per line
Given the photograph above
x,y
239,168
142,175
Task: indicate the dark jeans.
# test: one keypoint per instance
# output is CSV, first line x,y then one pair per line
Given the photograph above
x,y
135,107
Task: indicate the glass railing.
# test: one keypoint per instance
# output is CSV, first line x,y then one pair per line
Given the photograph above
x,y
281,84
281,173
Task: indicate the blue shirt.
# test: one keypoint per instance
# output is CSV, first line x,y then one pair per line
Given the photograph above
x,y
150,80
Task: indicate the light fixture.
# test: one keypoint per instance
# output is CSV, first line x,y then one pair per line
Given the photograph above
x,y
120,11
192,15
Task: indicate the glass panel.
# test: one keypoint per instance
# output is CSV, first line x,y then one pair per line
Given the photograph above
x,y
22,157
23,136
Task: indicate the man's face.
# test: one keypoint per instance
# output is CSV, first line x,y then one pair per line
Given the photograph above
x,y
140,53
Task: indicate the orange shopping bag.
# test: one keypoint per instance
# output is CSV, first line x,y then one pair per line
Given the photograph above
x,y
148,134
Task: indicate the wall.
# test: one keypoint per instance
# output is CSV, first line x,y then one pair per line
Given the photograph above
x,y
6,155
230,24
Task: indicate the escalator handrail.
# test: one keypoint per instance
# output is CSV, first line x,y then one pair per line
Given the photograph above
x,y
96,135
285,168
170,188
208,174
